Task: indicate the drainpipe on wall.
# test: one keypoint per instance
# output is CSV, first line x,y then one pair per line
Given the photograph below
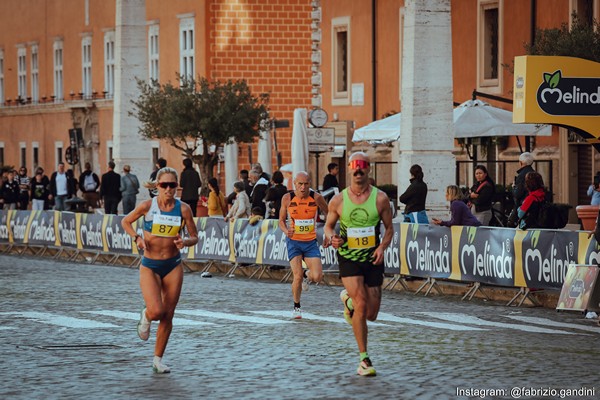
x,y
374,47
532,24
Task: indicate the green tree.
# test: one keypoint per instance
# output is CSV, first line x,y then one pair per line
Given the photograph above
x,y
582,41
200,113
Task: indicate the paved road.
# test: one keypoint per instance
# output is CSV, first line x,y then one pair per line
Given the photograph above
x,y
69,331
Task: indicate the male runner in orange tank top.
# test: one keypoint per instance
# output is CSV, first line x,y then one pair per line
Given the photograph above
x,y
302,206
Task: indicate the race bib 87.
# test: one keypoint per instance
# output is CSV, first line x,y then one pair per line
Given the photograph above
x,y
166,225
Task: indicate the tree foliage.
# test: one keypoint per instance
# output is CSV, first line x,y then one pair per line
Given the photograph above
x,y
582,40
200,113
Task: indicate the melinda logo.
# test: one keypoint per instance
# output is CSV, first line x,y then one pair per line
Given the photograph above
x,y
559,95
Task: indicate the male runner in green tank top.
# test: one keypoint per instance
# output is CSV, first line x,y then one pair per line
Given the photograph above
x,y
360,208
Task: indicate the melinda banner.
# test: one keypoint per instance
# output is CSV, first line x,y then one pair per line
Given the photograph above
x,y
497,256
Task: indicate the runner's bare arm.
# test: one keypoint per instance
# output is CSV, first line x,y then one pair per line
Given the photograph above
x,y
320,200
188,217
333,215
283,211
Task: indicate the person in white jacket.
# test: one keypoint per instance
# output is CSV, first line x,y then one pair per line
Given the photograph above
x,y
241,204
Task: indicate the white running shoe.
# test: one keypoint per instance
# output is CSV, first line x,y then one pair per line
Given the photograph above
x,y
305,284
348,309
159,368
365,368
143,326
297,313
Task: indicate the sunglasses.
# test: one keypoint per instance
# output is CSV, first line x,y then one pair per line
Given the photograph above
x,y
358,164
165,185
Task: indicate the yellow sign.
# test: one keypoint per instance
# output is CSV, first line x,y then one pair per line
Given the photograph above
x,y
557,90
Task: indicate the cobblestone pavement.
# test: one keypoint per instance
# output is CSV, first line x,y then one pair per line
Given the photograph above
x,y
69,331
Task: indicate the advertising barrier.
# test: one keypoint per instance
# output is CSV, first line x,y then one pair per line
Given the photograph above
x,y
497,256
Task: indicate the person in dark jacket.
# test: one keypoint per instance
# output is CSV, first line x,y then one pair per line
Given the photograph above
x,y
330,180
39,191
519,189
61,187
482,195
459,212
89,182
528,211
274,195
160,163
414,197
190,183
10,192
110,189
259,191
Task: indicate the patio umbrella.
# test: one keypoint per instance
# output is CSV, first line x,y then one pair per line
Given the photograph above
x,y
476,118
473,118
299,142
231,166
264,152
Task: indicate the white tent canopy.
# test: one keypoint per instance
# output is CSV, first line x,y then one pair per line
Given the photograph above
x,y
473,118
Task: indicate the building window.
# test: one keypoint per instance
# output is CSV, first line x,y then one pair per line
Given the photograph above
x,y
1,78
109,62
23,159
155,156
153,52
35,75
587,11
22,73
186,48
341,61
58,70
489,58
58,150
109,150
86,63
35,146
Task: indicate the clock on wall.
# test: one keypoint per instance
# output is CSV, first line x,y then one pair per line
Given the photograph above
x,y
318,117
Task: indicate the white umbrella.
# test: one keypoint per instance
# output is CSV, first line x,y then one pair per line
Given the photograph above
x,y
476,118
299,142
231,166
473,118
264,152
382,131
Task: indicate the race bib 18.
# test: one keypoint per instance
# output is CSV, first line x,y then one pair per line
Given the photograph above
x,y
361,238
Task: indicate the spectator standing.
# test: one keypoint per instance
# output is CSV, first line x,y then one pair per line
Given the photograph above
x,y
46,181
259,190
244,177
241,204
274,194
190,184
39,191
529,210
59,188
258,168
460,214
414,197
89,184
160,163
130,187
482,195
519,190
10,191
110,189
330,180
24,185
216,201
594,191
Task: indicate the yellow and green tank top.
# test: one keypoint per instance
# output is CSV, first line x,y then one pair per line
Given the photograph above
x,y
359,227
